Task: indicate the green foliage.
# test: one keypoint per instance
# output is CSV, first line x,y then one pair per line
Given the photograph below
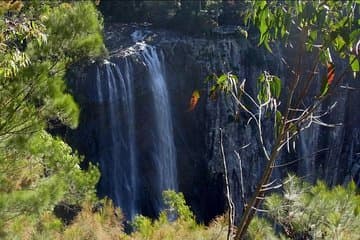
x,y
39,40
58,159
226,83
143,225
260,229
72,35
175,202
316,211
323,24
312,31
176,221
176,209
269,87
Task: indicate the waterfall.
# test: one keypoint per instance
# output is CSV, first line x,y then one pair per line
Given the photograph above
x,y
164,152
126,124
308,141
124,174
117,156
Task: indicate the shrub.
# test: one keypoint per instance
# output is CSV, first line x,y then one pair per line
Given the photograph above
x,y
311,212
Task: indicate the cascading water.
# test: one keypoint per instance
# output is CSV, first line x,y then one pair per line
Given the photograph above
x,y
117,156
164,153
126,124
308,140
132,181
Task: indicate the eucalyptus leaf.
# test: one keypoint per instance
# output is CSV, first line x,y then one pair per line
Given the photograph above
x,y
354,63
276,86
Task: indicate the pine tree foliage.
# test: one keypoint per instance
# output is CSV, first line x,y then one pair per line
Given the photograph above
x,y
260,229
303,211
39,40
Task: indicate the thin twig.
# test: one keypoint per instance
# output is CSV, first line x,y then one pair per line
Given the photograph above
x,y
241,178
228,194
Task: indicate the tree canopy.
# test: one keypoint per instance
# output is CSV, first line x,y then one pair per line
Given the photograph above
x,y
39,40
323,38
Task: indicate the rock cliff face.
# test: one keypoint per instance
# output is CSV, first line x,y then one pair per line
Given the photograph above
x,y
322,153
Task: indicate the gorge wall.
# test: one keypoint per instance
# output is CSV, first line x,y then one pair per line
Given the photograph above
x,y
135,124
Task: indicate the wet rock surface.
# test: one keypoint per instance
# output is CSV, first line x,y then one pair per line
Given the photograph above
x,y
320,153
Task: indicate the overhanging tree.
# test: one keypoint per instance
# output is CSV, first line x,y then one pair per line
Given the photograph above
x,y
330,32
39,40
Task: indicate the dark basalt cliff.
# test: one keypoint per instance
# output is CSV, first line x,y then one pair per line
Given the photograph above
x,y
322,153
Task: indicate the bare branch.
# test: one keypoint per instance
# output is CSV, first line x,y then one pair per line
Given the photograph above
x,y
228,194
271,188
241,176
